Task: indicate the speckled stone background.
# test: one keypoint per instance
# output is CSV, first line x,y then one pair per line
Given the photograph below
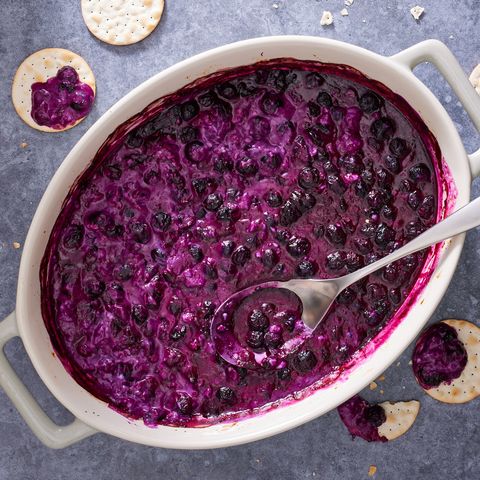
x,y
444,440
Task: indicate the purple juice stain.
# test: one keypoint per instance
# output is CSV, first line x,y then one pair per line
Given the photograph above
x,y
362,419
439,356
61,100
268,172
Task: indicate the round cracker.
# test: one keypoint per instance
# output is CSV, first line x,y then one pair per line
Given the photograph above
x,y
400,417
121,22
467,386
475,78
39,67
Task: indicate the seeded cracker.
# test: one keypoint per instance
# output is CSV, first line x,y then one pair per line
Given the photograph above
x,y
475,78
39,67
121,22
467,386
400,417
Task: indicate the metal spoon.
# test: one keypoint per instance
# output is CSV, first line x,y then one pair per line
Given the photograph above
x,y
317,296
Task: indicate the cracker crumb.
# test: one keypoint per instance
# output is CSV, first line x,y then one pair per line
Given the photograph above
x,y
381,378
381,392
348,3
275,5
327,18
410,362
417,12
373,386
372,470
398,364
344,12
16,245
24,145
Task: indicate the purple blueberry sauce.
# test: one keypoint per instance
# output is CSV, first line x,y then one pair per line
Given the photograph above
x,y
439,356
362,419
62,100
260,329
277,170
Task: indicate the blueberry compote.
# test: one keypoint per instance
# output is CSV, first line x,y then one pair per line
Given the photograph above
x,y
439,356
277,170
62,100
362,419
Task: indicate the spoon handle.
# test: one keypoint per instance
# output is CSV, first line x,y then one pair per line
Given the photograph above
x,y
460,221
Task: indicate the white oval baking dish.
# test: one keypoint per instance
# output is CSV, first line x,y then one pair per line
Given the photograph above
x,y
93,415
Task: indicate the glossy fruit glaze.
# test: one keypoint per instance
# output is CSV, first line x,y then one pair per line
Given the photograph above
x,y
362,419
62,100
439,356
276,170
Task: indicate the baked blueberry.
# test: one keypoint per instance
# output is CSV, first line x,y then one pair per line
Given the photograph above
x,y
298,246
227,247
141,232
273,198
223,163
247,167
309,177
324,99
314,80
178,333
269,258
306,269
398,148
185,404
255,339
383,128
213,202
241,255
370,102
259,128
228,91
419,173
196,252
189,110
257,320
139,314
304,361
289,213
226,395
161,221
335,234
336,260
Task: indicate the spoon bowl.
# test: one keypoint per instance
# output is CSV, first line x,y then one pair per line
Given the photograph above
x,y
318,295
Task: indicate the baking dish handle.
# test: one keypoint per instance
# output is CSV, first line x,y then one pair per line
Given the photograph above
x,y
438,54
48,432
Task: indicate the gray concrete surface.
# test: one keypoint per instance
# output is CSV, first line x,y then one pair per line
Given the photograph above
x,y
444,441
